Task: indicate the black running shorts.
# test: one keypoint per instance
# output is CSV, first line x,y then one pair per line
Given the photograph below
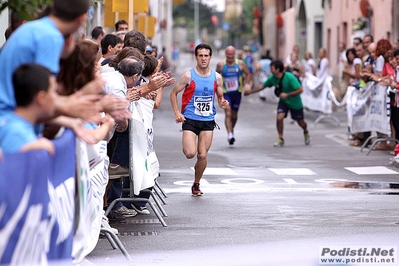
x,y
198,126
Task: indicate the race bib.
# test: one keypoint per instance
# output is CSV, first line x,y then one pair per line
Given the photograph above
x,y
203,105
231,84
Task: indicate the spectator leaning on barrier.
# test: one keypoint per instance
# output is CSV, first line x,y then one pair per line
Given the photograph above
x,y
120,159
380,67
42,41
395,99
352,68
77,70
147,104
35,95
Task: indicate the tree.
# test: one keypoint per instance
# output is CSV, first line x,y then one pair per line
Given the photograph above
x,y
183,15
247,13
27,9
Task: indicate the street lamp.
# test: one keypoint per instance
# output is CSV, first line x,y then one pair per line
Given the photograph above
x,y
196,20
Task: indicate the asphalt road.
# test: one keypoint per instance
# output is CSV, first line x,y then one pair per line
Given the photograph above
x,y
262,205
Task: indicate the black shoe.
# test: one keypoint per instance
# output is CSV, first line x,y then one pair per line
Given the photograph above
x,y
141,209
231,141
113,216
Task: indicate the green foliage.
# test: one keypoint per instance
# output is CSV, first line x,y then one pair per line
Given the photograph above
x,y
241,25
28,8
183,16
248,15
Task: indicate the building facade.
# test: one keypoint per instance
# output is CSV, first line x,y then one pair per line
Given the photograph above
x,y
344,21
314,24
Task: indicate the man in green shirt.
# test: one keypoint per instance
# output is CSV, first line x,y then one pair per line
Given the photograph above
x,y
288,90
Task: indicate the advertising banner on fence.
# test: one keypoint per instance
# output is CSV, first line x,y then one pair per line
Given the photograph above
x,y
144,165
368,109
316,95
37,204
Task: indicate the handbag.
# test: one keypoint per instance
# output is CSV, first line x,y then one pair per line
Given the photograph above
x,y
279,87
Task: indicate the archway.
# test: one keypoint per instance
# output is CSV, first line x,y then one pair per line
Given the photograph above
x,y
301,29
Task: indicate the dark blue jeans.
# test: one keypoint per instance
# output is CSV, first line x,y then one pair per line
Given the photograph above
x,y
115,192
121,151
120,155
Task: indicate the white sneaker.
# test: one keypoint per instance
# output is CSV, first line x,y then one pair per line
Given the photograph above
x,y
105,224
125,211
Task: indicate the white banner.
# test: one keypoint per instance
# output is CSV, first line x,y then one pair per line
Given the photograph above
x,y
316,95
145,163
368,109
92,181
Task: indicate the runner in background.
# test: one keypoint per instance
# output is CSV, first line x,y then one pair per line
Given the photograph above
x,y
236,77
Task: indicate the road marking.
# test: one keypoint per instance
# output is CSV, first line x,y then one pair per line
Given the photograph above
x,y
287,211
330,180
252,189
239,181
372,170
292,171
218,171
190,182
339,138
290,181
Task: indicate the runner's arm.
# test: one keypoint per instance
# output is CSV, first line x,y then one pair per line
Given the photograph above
x,y
223,103
248,78
219,67
180,86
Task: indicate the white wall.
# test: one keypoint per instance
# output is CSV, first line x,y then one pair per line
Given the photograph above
x,y
3,26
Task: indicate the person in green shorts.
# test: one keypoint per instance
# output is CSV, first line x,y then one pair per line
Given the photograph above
x,y
288,89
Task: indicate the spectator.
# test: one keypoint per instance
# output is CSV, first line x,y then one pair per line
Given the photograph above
x,y
148,50
295,49
310,66
165,63
263,71
352,68
42,41
16,21
295,67
110,45
357,41
35,95
121,34
77,70
343,80
121,25
97,34
323,68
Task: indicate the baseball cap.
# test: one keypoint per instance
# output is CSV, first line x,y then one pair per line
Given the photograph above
x,y
148,48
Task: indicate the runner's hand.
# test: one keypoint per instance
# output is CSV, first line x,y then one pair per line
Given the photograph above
x,y
179,118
